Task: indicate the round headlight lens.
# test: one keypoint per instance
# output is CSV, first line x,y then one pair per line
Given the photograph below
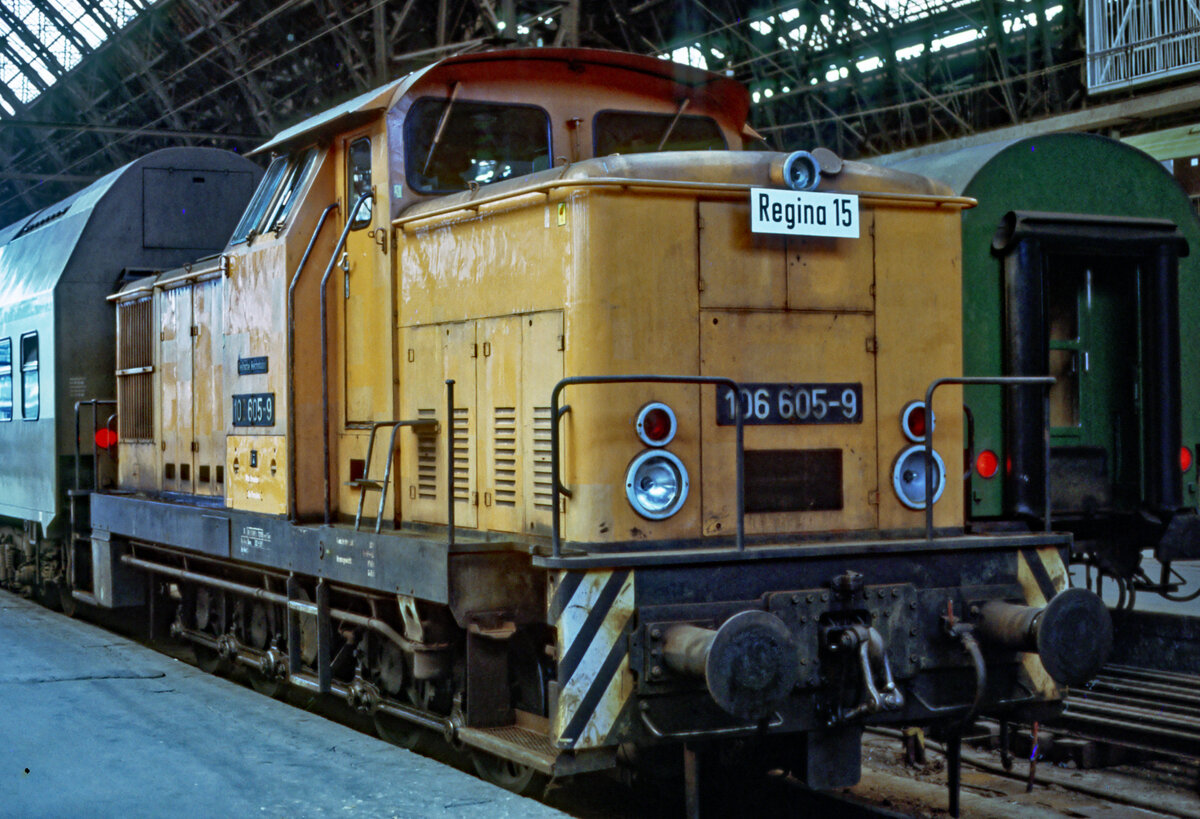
x,y
913,420
801,171
908,476
656,484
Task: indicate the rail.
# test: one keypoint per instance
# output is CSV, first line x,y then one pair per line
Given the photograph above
x,y
556,414
365,483
1000,380
95,404
548,187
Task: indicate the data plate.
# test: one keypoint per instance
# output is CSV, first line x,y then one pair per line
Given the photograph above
x,y
254,410
792,404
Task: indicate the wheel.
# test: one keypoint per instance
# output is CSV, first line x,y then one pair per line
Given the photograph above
x,y
209,661
511,776
273,688
403,733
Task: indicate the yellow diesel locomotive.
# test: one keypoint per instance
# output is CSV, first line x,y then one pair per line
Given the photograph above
x,y
528,406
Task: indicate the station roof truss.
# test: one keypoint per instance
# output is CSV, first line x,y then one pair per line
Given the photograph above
x,y
86,85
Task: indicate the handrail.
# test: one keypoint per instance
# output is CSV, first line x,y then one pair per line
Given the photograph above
x,y
291,361
387,470
1001,380
94,403
866,197
325,343
556,414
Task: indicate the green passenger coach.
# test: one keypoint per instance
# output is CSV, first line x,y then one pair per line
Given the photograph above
x,y
1076,264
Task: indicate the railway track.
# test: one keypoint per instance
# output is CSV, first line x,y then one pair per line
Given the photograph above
x,y
1143,709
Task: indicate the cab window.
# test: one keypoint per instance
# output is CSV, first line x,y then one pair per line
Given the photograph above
x,y
276,194
634,132
451,145
358,159
6,380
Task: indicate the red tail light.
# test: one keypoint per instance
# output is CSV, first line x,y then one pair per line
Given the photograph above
x,y
656,424
1185,459
105,438
986,464
913,420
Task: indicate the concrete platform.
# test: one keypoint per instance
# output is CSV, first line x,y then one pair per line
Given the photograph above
x,y
93,724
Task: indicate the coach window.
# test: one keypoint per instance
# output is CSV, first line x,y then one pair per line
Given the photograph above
x,y
453,144
359,173
6,395
634,132
29,377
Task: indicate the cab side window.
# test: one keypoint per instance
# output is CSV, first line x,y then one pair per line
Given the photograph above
x,y
359,174
6,380
30,397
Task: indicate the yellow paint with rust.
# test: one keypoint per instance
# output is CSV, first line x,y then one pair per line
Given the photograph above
x,y
255,468
1038,679
664,282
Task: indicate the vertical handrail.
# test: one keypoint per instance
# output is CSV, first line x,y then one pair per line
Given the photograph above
x,y
325,342
557,488
1001,380
291,361
95,403
450,460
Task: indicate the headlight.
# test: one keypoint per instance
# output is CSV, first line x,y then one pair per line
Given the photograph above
x,y
799,171
908,476
656,484
913,419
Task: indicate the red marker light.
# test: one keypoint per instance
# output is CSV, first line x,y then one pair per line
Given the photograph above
x,y
657,424
105,438
1185,459
986,464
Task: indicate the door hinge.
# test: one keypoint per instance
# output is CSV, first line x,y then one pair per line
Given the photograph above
x,y
412,355
487,349
700,285
872,344
562,343
195,446
873,497
195,331
474,351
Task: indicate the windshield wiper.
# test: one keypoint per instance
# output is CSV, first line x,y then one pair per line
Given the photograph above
x,y
670,128
437,135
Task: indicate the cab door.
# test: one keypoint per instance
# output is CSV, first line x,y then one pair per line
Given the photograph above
x,y
366,289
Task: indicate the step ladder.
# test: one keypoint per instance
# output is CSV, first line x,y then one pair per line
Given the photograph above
x,y
367,484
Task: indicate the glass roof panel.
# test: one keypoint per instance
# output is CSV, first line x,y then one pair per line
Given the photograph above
x,y
41,39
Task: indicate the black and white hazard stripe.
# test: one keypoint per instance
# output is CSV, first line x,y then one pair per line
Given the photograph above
x,y
591,612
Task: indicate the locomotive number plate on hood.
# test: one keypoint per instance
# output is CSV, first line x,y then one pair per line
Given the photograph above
x,y
792,404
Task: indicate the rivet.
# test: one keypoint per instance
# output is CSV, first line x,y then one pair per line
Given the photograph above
x,y
895,592
656,633
803,619
795,598
825,598
656,672
912,632
810,598
913,659
913,605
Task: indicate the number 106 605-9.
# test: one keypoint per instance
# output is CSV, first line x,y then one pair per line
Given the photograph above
x,y
791,404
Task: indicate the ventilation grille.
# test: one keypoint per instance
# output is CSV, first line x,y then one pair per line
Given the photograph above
x,y
427,472
505,456
462,454
543,486
135,357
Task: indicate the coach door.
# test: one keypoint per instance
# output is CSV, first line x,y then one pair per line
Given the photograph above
x,y
1092,315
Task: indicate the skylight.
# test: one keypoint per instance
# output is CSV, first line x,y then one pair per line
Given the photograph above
x,y
41,42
